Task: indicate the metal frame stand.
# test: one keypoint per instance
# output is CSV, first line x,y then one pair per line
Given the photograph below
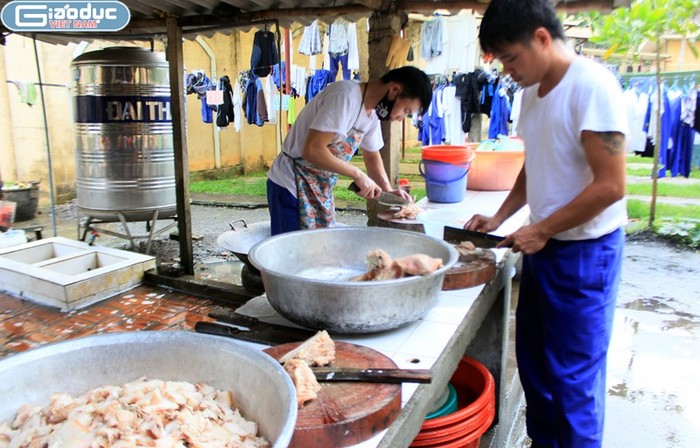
x,y
91,224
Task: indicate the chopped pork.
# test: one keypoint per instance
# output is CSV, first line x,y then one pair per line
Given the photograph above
x,y
419,264
162,414
383,267
318,350
465,247
304,380
409,211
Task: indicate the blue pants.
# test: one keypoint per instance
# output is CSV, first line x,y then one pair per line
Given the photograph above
x,y
336,58
284,209
563,326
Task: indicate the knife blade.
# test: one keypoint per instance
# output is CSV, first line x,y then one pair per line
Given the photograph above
x,y
394,376
256,325
384,198
259,336
480,239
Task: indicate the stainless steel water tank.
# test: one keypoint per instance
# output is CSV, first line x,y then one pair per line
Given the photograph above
x,y
124,134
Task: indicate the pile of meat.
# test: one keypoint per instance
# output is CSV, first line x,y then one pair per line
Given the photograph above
x,y
465,248
142,413
383,267
409,211
318,350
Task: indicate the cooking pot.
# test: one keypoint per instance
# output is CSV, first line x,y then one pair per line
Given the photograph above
x,y
263,392
240,239
307,274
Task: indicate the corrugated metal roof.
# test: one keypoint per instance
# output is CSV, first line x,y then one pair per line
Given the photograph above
x,y
205,17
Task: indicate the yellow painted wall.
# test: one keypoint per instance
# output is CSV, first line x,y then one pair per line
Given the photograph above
x,y
24,150
681,56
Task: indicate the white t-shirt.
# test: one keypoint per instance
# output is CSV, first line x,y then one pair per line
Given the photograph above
x,y
338,108
587,98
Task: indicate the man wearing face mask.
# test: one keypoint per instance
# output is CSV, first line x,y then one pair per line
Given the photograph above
x,y
343,118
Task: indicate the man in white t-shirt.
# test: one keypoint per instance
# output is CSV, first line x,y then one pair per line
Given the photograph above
x,y
343,118
573,123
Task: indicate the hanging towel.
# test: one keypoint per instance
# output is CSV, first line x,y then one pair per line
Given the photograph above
x,y
311,40
27,92
291,112
237,103
353,53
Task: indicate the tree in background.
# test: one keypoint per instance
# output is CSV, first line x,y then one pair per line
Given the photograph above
x,y
625,30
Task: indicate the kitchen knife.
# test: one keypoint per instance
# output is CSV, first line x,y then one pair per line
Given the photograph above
x,y
324,374
256,325
480,239
384,198
257,336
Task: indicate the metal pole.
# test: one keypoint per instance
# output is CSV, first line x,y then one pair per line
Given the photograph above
x,y
48,143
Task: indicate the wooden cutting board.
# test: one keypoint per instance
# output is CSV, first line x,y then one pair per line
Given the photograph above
x,y
385,219
471,270
345,414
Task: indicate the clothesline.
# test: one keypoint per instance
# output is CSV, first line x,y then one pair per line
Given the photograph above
x,y
689,78
48,84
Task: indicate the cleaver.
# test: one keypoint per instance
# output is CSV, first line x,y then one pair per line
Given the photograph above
x,y
384,198
480,239
395,376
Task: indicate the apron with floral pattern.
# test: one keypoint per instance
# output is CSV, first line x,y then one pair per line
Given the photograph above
x,y
315,185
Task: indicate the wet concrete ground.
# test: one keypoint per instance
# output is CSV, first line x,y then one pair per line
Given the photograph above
x,y
653,396
654,358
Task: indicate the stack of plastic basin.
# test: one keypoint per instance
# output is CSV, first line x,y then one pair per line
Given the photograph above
x,y
476,409
444,169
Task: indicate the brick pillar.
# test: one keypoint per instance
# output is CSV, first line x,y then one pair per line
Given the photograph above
x,y
382,27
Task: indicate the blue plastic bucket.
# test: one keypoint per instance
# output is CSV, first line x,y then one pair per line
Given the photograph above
x,y
444,182
441,171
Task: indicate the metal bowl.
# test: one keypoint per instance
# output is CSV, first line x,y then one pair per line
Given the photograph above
x,y
263,392
306,276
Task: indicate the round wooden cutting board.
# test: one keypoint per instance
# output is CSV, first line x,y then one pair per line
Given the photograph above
x,y
346,413
471,270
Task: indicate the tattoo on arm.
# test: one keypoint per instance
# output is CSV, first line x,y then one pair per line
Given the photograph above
x,y
614,142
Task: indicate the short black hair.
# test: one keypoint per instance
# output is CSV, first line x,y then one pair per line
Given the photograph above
x,y
415,83
509,22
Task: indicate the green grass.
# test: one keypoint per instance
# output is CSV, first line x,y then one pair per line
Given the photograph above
x,y
646,172
665,189
639,159
637,209
256,186
415,150
639,172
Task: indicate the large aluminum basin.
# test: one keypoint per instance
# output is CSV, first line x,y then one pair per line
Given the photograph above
x,y
263,392
306,276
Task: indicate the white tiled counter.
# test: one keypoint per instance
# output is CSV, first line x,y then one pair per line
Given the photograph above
x,y
452,328
440,339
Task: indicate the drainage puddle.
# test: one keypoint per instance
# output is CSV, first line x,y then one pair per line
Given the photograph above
x,y
653,364
227,271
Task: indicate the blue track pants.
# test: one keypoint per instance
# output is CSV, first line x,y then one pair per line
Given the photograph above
x,y
563,326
